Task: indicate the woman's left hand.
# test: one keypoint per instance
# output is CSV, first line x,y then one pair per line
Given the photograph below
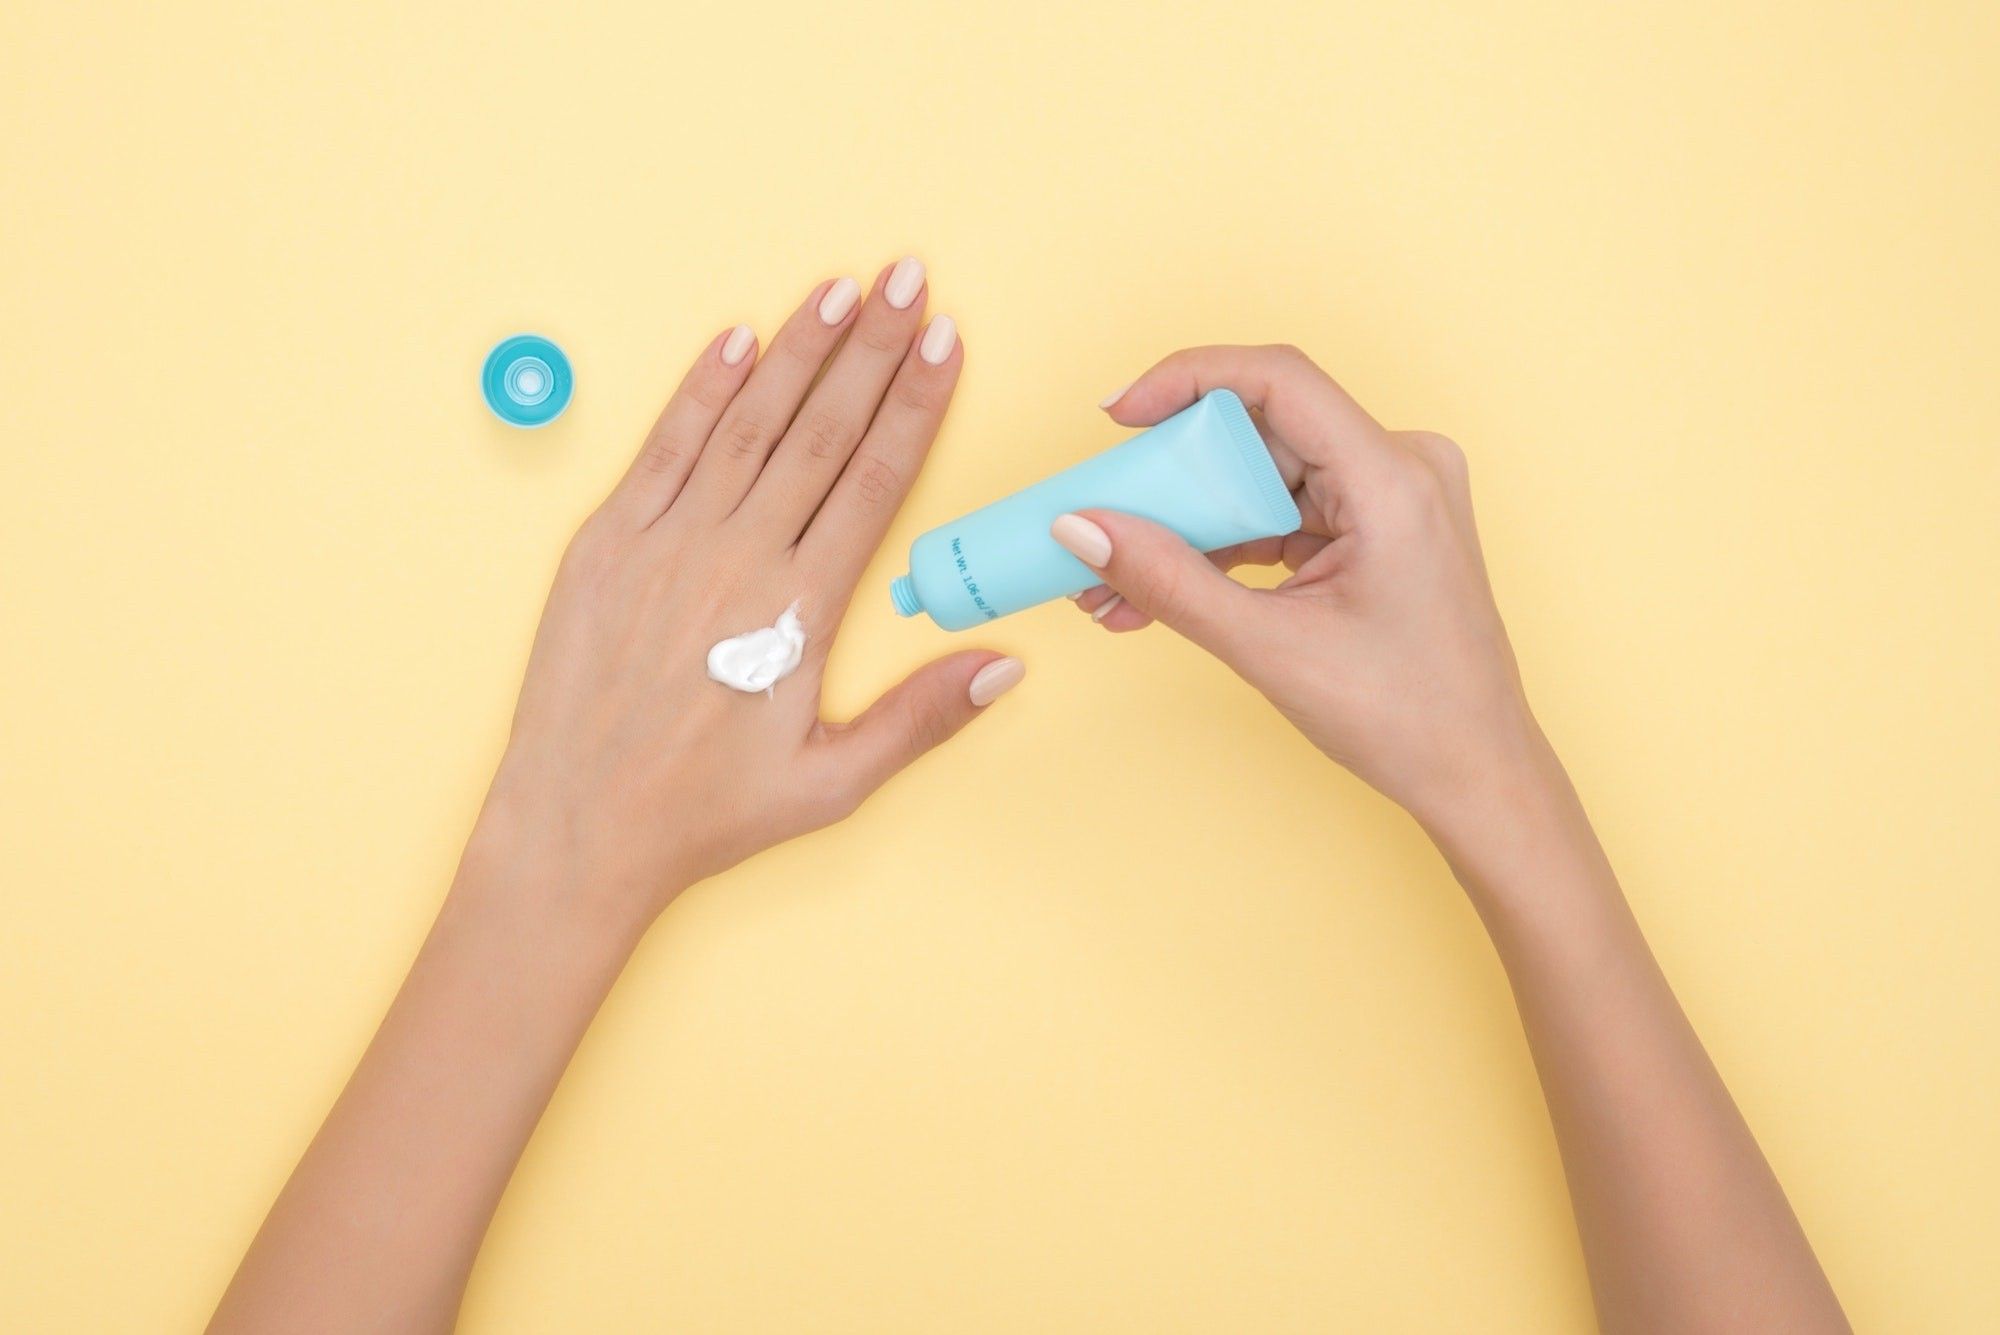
x,y
767,481
630,774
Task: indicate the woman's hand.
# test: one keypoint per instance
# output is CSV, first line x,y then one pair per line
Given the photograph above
x,y
766,482
1384,646
1385,649
629,775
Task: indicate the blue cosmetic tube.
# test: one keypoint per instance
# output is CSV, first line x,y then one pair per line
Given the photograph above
x,y
1204,473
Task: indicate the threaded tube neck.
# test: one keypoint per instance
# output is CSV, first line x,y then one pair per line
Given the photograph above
x,y
903,593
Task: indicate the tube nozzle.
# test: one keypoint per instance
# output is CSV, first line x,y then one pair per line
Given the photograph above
x,y
903,593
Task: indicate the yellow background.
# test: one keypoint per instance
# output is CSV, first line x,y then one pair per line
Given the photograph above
x,y
1128,1012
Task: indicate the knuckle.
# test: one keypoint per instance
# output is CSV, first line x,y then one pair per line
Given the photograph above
x,y
1288,352
1423,484
742,437
1167,595
912,395
876,481
709,392
824,433
1414,496
662,454
1441,452
930,722
880,337
803,350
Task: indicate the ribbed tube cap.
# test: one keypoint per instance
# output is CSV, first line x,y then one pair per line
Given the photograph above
x,y
526,380
903,594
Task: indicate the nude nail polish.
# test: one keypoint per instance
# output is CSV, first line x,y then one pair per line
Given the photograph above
x,y
995,680
938,340
838,301
905,281
1104,608
1082,539
737,345
1115,395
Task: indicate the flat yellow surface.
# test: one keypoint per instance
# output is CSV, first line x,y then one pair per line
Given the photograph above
x,y
1128,1012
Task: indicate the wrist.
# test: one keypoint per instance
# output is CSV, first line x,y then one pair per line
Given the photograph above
x,y
514,886
1513,830
1495,760
526,864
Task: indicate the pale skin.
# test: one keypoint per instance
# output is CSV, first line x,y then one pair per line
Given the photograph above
x,y
1385,648
630,776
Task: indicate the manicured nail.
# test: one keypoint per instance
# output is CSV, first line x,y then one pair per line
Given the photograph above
x,y
1104,608
1115,395
1082,539
995,680
905,281
1076,597
938,340
838,301
737,344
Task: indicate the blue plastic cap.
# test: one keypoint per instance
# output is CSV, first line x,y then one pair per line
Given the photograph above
x,y
903,593
526,380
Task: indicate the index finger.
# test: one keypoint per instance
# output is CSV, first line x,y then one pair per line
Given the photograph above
x,y
850,523
1312,415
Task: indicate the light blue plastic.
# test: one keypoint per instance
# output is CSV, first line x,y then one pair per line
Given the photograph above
x,y
1204,473
526,380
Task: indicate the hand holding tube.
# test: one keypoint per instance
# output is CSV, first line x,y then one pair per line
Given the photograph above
x,y
1204,473
1384,647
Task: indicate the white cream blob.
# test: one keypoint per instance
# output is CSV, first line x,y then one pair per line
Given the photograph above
x,y
758,660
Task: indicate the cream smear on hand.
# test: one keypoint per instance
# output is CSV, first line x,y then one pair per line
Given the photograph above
x,y
758,660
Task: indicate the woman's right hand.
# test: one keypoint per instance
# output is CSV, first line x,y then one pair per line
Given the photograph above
x,y
1384,646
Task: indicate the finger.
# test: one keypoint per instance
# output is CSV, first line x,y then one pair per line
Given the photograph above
x,y
1291,550
1290,466
1098,602
915,716
1160,576
1302,547
838,410
672,446
1302,404
849,526
1446,459
1114,613
765,406
1258,552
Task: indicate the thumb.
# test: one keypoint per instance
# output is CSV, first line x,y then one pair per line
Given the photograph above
x,y
1160,575
917,714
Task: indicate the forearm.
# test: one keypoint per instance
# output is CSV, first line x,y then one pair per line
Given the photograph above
x,y
1683,1223
379,1224
629,774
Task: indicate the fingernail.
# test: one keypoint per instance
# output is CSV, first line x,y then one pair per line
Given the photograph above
x,y
838,301
995,680
737,344
1115,395
1082,539
1104,608
1076,597
905,281
938,340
